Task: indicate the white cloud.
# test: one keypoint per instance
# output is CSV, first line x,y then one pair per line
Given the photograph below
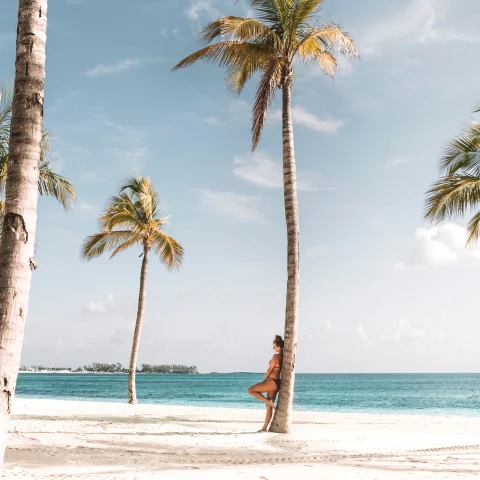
x,y
420,21
212,121
407,332
327,325
439,246
100,307
260,170
235,206
85,207
301,116
362,332
199,9
398,161
241,110
120,66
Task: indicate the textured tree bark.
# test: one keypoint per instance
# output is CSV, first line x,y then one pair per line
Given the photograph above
x,y
282,418
132,391
18,231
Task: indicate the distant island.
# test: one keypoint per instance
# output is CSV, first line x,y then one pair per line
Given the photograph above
x,y
115,368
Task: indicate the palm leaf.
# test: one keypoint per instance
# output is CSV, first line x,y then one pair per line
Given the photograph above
x,y
96,245
271,12
452,196
54,185
330,37
2,214
463,152
473,229
143,196
168,249
239,29
269,83
225,54
313,51
6,98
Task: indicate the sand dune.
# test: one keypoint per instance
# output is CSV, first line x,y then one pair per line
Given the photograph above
x,y
72,440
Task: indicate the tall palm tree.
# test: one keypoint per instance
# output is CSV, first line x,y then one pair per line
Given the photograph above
x,y
18,232
457,192
132,217
283,32
49,183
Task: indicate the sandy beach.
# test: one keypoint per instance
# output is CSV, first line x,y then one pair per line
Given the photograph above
x,y
65,439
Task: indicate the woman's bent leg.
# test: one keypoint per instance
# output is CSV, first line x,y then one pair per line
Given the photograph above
x,y
264,387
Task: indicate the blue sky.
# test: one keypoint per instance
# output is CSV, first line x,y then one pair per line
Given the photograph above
x,y
380,290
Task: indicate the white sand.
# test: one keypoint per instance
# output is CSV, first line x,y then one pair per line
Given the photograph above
x,y
59,439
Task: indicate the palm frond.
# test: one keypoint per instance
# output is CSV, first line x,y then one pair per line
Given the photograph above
x,y
313,51
6,98
54,185
330,37
168,249
225,54
122,219
237,75
473,229
124,246
462,154
300,12
2,214
239,29
3,172
96,245
453,195
271,12
144,197
265,95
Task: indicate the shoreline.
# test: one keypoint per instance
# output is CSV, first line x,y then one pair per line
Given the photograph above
x,y
106,441
254,406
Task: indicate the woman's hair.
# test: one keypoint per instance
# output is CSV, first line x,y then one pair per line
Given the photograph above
x,y
278,341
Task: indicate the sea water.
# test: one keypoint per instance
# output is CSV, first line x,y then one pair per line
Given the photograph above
x,y
444,394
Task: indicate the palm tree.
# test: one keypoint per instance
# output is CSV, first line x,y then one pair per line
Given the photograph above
x,y
285,31
132,217
458,190
18,232
49,183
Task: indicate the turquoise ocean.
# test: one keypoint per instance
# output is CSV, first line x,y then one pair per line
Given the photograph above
x,y
435,394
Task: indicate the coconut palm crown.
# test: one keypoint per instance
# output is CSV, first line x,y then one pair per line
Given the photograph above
x,y
285,31
457,192
132,217
49,183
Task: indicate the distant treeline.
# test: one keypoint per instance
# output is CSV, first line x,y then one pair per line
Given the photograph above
x,y
117,368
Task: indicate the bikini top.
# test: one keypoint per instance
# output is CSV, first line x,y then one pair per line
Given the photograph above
x,y
278,366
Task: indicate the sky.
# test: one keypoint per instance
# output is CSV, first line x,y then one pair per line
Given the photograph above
x,y
381,290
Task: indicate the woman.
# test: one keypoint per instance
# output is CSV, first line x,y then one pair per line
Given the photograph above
x,y
271,382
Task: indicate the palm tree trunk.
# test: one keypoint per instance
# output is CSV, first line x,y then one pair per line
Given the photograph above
x,y
132,392
19,223
281,419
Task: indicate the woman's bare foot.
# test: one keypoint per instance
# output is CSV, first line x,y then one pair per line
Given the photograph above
x,y
262,430
271,404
